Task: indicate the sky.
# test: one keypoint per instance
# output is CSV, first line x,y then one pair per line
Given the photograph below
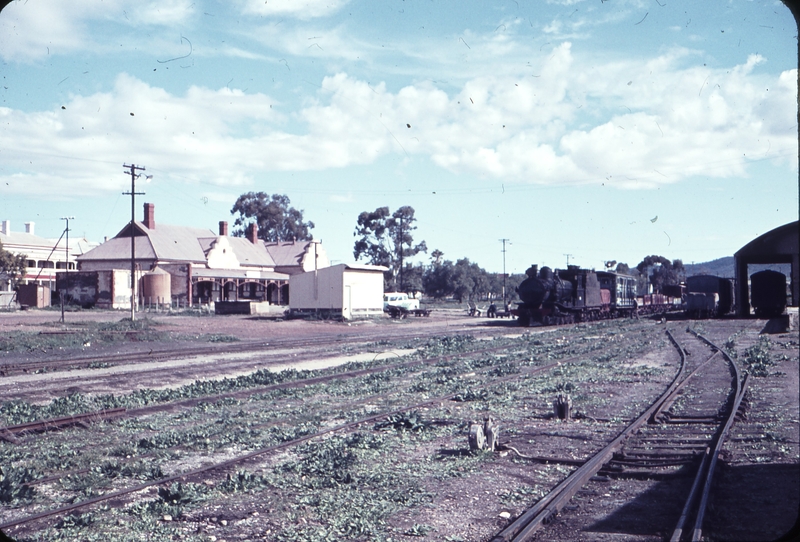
x,y
579,131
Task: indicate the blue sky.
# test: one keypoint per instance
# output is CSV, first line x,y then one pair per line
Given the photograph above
x,y
606,130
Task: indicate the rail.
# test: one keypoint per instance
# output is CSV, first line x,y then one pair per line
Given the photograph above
x,y
263,451
705,473
546,509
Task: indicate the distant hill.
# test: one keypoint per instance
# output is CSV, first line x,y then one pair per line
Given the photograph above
x,y
724,267
721,267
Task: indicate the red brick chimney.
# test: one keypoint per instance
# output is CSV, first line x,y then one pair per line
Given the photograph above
x,y
150,216
223,228
252,233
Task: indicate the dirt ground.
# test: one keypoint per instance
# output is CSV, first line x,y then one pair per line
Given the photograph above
x,y
756,496
241,326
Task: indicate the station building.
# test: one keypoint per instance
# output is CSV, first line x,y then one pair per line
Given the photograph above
x,y
183,266
44,258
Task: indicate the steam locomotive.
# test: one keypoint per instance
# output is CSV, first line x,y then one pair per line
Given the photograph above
x,y
576,295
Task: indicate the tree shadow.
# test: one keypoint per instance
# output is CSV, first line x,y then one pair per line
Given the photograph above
x,y
653,513
748,502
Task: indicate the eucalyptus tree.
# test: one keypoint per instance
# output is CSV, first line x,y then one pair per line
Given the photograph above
x,y
386,239
276,220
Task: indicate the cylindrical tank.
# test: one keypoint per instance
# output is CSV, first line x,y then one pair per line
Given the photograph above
x,y
157,286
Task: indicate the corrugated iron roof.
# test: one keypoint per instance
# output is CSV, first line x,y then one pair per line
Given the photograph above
x,y
27,239
365,267
165,243
287,254
119,248
250,254
176,243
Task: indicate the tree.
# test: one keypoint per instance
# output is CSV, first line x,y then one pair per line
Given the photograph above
x,y
386,240
663,271
276,220
12,266
437,280
468,280
412,277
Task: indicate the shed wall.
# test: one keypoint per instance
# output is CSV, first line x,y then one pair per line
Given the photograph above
x,y
366,292
352,293
329,288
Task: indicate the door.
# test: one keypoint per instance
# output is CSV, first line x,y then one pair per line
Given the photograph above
x,y
346,303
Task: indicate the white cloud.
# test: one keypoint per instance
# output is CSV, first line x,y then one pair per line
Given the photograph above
x,y
31,31
313,41
162,12
36,30
631,124
307,9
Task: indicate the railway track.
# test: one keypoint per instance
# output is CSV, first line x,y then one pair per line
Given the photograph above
x,y
219,468
680,433
176,368
311,344
357,412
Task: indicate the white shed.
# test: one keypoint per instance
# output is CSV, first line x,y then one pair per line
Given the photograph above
x,y
349,291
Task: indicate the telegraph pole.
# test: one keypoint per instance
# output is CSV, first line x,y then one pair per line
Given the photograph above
x,y
66,265
504,270
400,254
568,256
133,193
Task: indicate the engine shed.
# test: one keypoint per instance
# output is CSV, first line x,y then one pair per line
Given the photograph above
x,y
781,245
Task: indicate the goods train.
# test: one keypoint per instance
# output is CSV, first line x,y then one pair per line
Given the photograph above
x,y
768,293
580,295
709,296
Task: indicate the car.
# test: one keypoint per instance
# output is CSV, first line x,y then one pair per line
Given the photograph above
x,y
399,301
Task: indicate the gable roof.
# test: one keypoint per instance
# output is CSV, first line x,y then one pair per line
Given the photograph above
x,y
287,253
165,243
246,252
176,243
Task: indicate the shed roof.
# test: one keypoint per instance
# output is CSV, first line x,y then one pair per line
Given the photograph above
x,y
783,241
365,267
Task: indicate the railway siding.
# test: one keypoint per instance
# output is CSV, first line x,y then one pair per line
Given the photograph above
x,y
404,476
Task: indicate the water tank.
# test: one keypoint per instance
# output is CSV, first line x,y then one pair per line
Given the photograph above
x,y
157,286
